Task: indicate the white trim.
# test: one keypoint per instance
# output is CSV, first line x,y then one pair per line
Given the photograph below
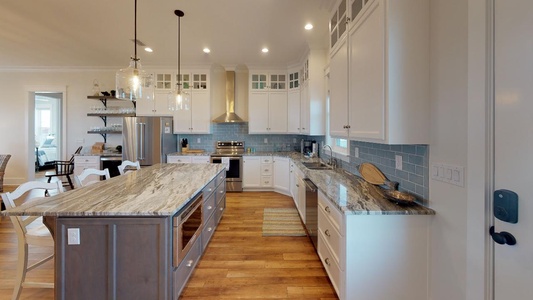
x,y
480,88
29,123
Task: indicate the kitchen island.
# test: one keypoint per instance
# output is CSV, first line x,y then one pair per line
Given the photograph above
x,y
119,238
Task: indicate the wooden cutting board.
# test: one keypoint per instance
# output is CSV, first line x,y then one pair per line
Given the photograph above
x,y
193,151
372,174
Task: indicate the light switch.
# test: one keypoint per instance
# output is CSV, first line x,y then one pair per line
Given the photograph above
x,y
448,173
456,175
435,171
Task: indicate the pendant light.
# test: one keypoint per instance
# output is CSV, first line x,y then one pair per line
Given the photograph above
x,y
132,83
179,99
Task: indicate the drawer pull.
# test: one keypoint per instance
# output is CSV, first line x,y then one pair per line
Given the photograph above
x,y
326,261
190,262
266,170
327,209
327,233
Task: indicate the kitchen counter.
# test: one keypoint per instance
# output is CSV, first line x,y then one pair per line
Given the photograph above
x,y
350,193
158,190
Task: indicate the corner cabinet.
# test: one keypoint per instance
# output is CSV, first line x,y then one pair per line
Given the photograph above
x,y
382,68
105,112
388,262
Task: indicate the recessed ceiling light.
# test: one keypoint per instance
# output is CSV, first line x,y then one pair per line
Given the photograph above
x,y
264,50
148,49
206,50
308,26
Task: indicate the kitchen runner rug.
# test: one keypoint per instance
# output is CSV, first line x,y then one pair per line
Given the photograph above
x,y
282,222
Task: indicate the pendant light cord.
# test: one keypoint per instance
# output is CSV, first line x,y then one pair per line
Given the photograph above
x,y
135,35
179,53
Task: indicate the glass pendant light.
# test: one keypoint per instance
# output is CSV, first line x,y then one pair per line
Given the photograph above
x,y
179,99
132,83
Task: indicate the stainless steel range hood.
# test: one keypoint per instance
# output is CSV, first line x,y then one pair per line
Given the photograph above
x,y
230,116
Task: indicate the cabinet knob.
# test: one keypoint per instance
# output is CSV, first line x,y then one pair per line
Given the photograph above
x,y
190,263
209,207
210,229
327,209
326,261
327,233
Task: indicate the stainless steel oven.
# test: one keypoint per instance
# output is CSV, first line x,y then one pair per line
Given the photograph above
x,y
188,225
230,154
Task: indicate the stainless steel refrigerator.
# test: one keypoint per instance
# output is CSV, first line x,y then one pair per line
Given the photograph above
x,y
147,139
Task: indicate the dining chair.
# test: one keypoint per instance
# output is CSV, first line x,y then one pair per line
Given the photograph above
x,y
4,158
30,231
127,166
84,180
63,168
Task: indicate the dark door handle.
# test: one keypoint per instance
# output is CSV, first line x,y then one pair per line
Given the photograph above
x,y
503,237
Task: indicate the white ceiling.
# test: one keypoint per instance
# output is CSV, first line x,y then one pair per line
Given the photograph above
x,y
98,33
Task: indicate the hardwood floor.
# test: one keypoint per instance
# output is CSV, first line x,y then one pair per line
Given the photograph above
x,y
239,263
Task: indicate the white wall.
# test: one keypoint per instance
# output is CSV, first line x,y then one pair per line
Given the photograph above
x,y
14,112
449,99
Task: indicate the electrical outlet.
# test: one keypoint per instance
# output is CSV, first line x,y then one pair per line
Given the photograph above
x,y
399,163
266,140
198,140
73,236
356,152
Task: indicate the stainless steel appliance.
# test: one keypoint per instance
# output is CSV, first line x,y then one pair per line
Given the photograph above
x,y
147,139
311,211
230,154
187,227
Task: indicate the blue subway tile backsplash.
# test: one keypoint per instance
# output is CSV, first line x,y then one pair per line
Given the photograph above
x,y
413,178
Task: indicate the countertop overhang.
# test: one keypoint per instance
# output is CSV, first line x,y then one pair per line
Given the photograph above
x,y
158,190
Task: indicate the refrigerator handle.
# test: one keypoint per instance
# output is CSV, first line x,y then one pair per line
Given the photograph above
x,y
141,140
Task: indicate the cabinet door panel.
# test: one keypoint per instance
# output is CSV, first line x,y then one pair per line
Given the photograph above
x,y
293,112
278,112
200,112
251,169
367,76
258,112
182,121
338,81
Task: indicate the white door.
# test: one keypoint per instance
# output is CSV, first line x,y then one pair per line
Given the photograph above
x,y
513,70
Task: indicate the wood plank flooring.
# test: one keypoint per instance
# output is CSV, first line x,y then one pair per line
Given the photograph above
x,y
239,263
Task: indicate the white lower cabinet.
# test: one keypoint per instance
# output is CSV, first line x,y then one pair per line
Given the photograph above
x,y
251,172
266,173
87,162
373,257
281,175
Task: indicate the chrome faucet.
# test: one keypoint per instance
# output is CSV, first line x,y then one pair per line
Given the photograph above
x,y
332,161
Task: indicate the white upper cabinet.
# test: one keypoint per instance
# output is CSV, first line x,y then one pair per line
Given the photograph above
x,y
267,109
198,118
386,55
389,72
274,81
158,106
338,23
338,85
306,105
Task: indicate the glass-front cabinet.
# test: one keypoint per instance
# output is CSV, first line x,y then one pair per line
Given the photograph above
x,y
276,81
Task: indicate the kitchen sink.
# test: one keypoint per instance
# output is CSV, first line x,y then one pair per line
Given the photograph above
x,y
317,166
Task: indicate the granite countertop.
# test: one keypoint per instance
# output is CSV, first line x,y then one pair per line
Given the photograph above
x,y
103,154
205,153
158,190
350,193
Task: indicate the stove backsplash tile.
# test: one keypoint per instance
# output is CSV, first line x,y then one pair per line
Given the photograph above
x,y
239,132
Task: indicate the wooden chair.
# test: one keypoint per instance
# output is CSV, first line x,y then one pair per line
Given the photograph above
x,y
30,231
63,168
81,179
127,166
4,158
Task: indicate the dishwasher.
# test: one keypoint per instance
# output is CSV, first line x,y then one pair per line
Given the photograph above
x,y
311,211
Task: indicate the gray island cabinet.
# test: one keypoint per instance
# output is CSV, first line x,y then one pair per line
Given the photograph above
x,y
121,238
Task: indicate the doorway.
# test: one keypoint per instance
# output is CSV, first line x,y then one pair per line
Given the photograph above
x,y
46,128
47,125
